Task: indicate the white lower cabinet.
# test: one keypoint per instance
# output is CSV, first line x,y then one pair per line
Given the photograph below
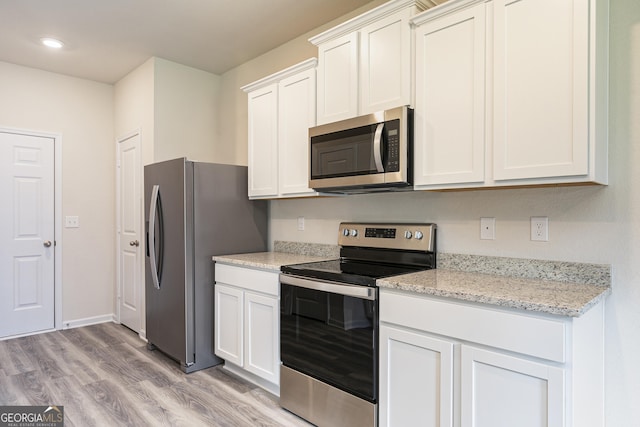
x,y
503,390
452,363
422,393
229,324
247,322
261,336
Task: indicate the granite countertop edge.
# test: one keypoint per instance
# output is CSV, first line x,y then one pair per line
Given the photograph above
x,y
553,287
534,295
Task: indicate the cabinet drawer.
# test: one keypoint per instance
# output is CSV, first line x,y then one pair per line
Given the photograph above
x,y
266,282
522,333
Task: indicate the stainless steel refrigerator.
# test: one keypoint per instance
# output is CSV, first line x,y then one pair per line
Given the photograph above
x,y
193,211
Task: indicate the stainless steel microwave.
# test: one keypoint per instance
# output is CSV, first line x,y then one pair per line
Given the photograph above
x,y
364,154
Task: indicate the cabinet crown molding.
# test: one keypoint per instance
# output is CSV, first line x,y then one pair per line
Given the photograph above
x,y
448,7
276,77
366,18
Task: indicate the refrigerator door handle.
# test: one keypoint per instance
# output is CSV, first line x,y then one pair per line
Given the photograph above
x,y
153,206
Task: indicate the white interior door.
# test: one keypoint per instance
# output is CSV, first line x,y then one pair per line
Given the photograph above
x,y
129,233
27,235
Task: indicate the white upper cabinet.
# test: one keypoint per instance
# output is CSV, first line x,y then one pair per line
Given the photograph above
x,y
281,109
450,101
296,113
541,88
338,79
385,63
511,93
263,141
364,64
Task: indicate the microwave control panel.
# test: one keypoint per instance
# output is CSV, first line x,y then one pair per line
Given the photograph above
x,y
393,146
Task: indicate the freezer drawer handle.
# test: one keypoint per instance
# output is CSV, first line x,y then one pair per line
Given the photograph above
x,y
156,264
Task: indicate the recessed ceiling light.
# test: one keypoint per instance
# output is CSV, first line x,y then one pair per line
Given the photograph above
x,y
52,43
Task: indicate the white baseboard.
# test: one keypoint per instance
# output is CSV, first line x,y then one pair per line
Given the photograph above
x,y
76,323
10,337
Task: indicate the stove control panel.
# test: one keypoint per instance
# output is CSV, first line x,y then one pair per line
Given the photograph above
x,y
420,237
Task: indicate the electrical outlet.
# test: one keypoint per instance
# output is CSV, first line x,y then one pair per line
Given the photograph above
x,y
487,228
300,223
540,228
72,222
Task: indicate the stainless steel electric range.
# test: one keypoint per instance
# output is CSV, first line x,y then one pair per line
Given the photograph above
x,y
329,321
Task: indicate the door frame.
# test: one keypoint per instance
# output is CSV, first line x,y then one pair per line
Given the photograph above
x,y
118,296
57,217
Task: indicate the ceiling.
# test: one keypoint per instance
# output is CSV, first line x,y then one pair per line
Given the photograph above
x,y
106,39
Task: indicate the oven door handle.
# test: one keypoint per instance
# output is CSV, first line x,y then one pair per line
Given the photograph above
x,y
362,292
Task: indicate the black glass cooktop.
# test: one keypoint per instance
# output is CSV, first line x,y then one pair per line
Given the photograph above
x,y
347,271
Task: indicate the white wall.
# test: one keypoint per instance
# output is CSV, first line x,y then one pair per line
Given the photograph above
x,y
175,109
586,224
82,112
133,109
185,112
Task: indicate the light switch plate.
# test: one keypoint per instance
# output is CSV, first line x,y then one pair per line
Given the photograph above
x,y
300,223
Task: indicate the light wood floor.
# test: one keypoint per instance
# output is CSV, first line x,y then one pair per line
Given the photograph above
x,y
103,375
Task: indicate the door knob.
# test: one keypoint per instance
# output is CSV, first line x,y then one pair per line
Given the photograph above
x,y
134,243
47,243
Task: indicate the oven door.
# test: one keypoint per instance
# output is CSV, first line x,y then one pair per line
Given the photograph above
x,y
329,331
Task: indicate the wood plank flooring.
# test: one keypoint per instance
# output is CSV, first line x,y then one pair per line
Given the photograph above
x,y
104,375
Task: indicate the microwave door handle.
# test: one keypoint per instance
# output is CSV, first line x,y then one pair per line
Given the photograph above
x,y
377,147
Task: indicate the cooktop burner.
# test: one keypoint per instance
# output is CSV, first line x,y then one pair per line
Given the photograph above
x,y
346,271
372,251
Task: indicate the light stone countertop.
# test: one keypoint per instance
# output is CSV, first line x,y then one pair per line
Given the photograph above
x,y
546,296
554,287
266,260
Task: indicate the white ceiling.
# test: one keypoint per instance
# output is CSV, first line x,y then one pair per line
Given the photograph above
x,y
106,39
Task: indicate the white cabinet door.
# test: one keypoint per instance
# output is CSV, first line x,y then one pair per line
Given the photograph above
x,y
338,79
262,332
229,327
499,390
416,379
385,61
263,141
541,71
296,114
450,99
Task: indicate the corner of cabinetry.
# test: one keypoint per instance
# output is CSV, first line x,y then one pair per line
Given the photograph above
x,y
587,373
599,89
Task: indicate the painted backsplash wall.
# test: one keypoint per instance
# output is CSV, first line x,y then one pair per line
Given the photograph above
x,y
580,219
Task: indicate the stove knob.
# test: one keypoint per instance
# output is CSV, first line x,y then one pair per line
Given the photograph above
x,y
345,232
407,234
354,232
418,235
